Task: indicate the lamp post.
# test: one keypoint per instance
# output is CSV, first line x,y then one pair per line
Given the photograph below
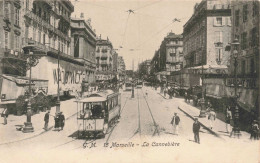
x,y
32,61
236,130
202,100
58,88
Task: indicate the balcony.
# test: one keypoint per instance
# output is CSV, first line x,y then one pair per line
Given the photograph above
x,y
38,19
103,62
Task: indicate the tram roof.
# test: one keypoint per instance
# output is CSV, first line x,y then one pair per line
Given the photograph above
x,y
92,99
97,97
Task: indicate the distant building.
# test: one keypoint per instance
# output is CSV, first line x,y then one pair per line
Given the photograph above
x,y
104,60
205,36
12,61
245,28
83,46
121,68
174,52
169,57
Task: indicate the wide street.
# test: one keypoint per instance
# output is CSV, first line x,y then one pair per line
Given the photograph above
x,y
143,127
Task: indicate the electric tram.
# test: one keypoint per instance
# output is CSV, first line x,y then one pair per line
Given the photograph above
x,y
97,112
128,86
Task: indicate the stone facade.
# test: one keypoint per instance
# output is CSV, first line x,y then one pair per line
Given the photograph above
x,y
83,45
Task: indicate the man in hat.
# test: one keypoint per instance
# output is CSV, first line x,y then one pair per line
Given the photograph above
x,y
175,123
196,130
46,120
62,120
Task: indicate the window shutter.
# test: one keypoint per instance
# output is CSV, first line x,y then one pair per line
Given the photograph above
x,y
220,36
215,21
223,21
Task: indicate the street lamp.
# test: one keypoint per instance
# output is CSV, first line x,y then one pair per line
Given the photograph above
x,y
33,60
58,89
202,100
236,130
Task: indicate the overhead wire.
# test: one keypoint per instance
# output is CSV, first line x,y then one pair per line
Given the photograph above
x,y
125,28
150,38
146,5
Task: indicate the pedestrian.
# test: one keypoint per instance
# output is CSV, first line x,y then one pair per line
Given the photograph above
x,y
212,118
175,123
56,120
5,115
186,96
62,120
196,130
254,131
228,119
46,120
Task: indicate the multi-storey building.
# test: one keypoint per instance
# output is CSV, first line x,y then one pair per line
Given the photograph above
x,y
121,68
104,60
169,57
121,64
174,52
83,46
205,36
11,57
47,32
245,28
115,63
12,60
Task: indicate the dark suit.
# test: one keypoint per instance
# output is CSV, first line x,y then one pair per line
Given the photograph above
x,y
196,130
46,120
62,121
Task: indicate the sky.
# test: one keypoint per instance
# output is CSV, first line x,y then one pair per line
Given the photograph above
x,y
136,35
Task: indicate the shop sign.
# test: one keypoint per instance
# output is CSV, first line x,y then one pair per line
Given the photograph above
x,y
23,81
242,82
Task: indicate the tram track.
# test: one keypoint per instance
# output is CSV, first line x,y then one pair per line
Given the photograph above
x,y
112,129
154,122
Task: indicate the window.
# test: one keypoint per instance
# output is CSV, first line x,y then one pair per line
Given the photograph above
x,y
243,67
27,4
219,21
218,36
255,8
17,16
245,12
254,36
17,41
39,36
6,40
34,34
237,17
244,41
34,8
252,66
219,54
6,9
43,39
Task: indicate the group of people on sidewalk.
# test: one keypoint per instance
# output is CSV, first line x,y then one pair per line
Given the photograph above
x,y
175,122
59,121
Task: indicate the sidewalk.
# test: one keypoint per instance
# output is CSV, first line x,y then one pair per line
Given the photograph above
x,y
219,127
9,134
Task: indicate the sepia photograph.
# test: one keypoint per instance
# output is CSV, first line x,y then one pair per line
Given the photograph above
x,y
129,81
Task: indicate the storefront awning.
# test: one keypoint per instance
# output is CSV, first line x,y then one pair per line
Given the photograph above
x,y
215,91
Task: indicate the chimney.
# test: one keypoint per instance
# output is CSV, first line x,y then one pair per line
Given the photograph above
x,y
82,15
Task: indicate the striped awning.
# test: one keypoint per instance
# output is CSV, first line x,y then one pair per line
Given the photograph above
x,y
215,90
248,98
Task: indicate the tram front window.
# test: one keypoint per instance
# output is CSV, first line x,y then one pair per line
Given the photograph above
x,y
97,111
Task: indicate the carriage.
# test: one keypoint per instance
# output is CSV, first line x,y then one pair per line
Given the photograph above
x,y
97,112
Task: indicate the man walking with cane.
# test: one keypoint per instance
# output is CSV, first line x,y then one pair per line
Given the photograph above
x,y
46,120
175,123
196,130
